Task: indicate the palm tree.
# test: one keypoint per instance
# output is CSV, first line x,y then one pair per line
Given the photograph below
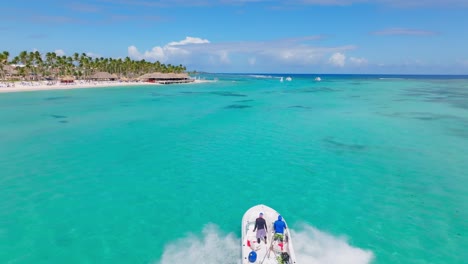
x,y
38,65
51,65
84,64
23,59
3,62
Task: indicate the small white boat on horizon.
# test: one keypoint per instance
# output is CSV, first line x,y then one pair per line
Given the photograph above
x,y
288,79
318,79
277,250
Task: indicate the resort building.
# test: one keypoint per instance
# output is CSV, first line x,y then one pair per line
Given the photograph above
x,y
103,76
166,78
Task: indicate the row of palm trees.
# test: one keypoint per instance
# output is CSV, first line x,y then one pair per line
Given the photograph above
x,y
37,66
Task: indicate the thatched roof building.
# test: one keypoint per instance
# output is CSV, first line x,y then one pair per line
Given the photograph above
x,y
103,76
166,78
9,70
67,79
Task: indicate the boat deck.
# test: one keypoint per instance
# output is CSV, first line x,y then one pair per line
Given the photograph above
x,y
266,253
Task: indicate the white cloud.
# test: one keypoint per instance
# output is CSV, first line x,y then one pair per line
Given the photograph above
x,y
201,54
93,55
60,52
155,54
189,40
358,61
170,51
337,59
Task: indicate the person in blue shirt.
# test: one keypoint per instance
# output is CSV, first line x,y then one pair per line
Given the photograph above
x,y
279,226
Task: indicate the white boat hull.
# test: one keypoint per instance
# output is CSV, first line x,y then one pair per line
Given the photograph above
x,y
273,252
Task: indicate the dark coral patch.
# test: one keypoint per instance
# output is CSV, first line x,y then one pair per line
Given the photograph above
x,y
58,116
343,146
300,107
56,98
236,106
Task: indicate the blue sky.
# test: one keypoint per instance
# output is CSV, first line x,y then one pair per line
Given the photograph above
x,y
250,36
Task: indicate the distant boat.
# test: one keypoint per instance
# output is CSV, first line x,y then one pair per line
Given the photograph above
x,y
277,250
318,79
288,79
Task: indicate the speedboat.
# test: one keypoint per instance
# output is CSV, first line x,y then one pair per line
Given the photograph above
x,y
277,249
318,79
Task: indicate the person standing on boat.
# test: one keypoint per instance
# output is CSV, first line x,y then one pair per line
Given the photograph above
x,y
279,227
261,227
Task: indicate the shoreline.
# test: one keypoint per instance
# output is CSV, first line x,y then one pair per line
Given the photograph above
x,y
42,85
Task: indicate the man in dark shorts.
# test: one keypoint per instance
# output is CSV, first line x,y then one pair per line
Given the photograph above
x,y
261,227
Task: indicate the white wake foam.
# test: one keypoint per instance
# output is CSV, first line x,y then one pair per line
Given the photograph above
x,y
260,76
311,245
211,247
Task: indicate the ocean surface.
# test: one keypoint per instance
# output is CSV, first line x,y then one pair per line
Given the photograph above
x,y
364,168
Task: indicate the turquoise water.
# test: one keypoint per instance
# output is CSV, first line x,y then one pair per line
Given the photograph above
x,y
364,169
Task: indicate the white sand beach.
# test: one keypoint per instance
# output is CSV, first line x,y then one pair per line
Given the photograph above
x,y
44,85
